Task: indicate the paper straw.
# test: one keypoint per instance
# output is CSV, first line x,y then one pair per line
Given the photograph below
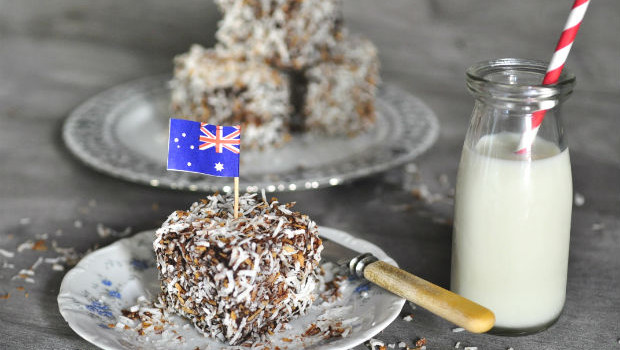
x,y
555,69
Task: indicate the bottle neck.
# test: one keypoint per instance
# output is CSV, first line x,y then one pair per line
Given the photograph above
x,y
514,85
510,101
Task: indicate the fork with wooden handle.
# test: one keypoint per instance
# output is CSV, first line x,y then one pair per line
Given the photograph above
x,y
443,303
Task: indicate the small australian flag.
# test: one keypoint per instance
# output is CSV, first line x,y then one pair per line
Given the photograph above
x,y
203,148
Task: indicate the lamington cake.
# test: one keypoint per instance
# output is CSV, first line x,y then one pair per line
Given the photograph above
x,y
218,89
238,279
341,91
290,34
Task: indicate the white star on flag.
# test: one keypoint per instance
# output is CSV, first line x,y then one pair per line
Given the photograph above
x,y
219,166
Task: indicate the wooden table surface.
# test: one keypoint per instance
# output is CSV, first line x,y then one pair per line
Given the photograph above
x,y
55,54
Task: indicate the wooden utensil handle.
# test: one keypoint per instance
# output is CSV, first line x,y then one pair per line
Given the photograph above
x,y
444,303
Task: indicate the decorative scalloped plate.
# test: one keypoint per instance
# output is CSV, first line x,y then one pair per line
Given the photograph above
x,y
123,132
110,279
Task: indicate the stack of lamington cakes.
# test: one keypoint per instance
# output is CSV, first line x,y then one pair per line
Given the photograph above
x,y
279,66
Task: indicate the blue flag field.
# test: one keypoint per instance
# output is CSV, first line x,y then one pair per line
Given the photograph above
x,y
203,148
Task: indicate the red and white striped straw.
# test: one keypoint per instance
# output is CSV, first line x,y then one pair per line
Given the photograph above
x,y
555,68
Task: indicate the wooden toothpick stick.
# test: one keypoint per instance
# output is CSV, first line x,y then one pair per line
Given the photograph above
x,y
236,208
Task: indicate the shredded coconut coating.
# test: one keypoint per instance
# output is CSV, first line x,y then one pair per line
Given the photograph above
x,y
341,91
237,279
291,34
218,89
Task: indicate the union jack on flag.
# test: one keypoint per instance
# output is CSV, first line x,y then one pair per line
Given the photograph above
x,y
231,141
203,148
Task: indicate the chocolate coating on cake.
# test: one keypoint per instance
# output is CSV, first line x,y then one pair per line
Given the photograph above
x,y
238,279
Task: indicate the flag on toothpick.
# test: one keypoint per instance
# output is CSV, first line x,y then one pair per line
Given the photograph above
x,y
203,148
207,149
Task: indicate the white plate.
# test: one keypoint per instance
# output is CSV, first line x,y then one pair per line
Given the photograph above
x,y
123,132
93,293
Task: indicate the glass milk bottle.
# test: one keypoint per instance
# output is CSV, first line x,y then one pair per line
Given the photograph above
x,y
513,211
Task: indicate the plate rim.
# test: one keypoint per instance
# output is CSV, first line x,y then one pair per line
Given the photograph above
x,y
332,234
141,86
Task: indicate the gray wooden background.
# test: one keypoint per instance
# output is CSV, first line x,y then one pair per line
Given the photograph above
x,y
54,54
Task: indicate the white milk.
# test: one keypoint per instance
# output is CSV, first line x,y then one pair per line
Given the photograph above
x,y
511,230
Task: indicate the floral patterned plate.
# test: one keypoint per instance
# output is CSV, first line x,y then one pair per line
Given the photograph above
x,y
113,278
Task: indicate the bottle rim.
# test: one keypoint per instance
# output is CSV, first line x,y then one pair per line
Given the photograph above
x,y
481,85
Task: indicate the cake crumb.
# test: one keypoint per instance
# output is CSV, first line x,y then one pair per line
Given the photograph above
x,y
6,253
39,245
376,344
458,329
457,345
402,344
408,318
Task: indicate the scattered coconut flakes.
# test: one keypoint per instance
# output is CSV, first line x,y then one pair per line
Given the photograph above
x,y
24,221
411,168
408,318
510,348
41,235
69,254
457,345
39,245
55,260
376,344
26,245
6,265
402,344
36,264
58,267
77,224
6,253
579,199
458,329
104,231
470,348
391,345
364,295
26,272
